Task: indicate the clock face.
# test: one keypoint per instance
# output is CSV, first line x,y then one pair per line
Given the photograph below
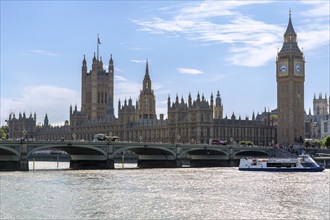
x,y
283,68
298,68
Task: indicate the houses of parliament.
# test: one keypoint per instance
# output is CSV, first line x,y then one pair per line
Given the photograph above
x,y
194,120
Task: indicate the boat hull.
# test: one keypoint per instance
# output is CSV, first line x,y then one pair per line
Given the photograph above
x,y
316,169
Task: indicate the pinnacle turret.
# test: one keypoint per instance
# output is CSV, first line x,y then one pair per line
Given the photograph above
x,y
111,61
147,80
84,63
147,71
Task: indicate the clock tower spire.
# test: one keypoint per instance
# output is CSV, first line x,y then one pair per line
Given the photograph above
x,y
147,101
290,77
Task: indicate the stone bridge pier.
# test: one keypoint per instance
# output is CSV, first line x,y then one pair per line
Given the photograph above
x,y
24,162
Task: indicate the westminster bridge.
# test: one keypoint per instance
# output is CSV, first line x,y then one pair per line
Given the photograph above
x,y
15,155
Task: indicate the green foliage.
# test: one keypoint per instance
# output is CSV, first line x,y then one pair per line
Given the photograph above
x,y
3,134
5,128
311,143
247,143
274,117
326,141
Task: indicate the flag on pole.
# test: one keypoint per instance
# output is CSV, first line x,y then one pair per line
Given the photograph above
x,y
98,42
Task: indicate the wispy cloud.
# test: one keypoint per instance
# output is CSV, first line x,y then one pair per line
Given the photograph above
x,y
197,22
316,25
42,52
222,22
220,77
138,61
120,78
42,99
141,48
125,90
189,71
117,69
318,9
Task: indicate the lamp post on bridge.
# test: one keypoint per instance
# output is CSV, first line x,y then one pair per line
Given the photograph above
x,y
110,136
178,137
122,153
74,136
24,135
110,163
178,159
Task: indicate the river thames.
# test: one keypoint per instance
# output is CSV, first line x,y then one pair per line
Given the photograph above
x,y
52,192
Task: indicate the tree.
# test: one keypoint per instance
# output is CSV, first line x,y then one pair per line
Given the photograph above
x,y
246,143
3,134
326,141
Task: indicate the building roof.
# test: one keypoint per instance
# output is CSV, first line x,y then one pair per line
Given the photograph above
x,y
290,29
290,41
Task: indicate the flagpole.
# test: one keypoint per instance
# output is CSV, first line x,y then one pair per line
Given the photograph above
x,y
97,46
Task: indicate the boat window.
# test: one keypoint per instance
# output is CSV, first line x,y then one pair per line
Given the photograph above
x,y
308,165
281,165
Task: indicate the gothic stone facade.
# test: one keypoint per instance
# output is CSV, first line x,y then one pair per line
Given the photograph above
x,y
21,127
317,124
195,121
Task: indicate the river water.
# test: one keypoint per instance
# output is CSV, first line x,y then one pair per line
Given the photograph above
x,y
52,191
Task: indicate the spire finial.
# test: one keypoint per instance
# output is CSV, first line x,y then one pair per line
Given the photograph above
x,y
98,42
110,61
147,68
84,60
290,12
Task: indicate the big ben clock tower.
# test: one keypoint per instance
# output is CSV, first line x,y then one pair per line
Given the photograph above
x,y
290,77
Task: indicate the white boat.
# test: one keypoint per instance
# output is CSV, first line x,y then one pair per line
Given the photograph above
x,y
304,163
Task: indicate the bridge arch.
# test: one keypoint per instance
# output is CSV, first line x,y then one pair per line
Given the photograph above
x,y
146,150
152,156
4,150
68,148
214,151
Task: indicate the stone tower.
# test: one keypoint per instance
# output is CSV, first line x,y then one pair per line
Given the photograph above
x,y
320,105
97,89
147,106
218,108
46,122
290,77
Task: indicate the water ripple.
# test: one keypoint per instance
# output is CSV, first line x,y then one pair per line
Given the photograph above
x,y
185,193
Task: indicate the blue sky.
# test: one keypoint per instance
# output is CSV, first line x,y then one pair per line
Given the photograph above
x,y
192,46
